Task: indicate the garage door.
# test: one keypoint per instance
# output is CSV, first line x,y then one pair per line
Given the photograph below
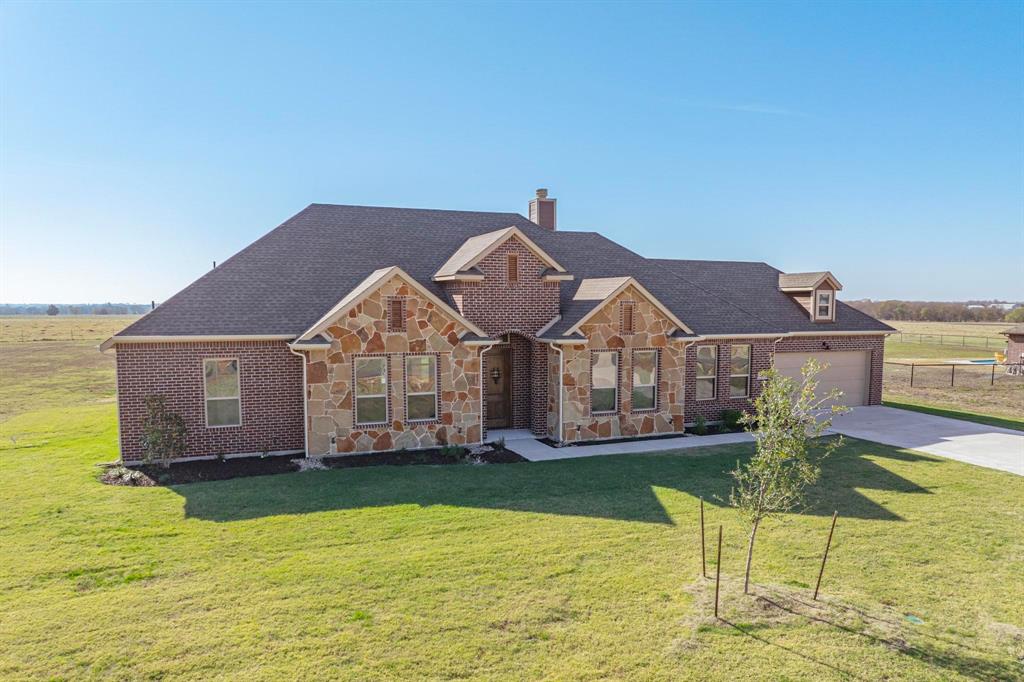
x,y
847,371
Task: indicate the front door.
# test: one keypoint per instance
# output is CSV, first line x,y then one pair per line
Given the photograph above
x,y
499,388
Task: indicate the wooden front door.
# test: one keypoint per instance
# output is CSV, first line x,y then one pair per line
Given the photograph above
x,y
499,388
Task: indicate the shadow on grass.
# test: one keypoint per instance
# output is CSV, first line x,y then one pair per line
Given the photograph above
x,y
617,487
959,658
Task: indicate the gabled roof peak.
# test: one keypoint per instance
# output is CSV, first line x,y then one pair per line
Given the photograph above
x,y
478,247
806,281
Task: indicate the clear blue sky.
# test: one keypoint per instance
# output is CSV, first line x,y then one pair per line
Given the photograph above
x,y
882,141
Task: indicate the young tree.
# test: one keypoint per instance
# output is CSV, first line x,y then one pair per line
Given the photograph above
x,y
788,419
52,310
163,432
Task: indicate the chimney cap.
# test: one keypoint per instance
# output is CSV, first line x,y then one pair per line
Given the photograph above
x,y
542,193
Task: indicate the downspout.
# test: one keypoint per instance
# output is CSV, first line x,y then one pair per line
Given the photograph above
x,y
483,349
305,401
561,390
686,347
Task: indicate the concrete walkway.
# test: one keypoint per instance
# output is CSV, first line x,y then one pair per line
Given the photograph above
x,y
525,444
987,446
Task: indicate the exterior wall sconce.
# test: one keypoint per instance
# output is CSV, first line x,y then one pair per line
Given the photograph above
x,y
495,374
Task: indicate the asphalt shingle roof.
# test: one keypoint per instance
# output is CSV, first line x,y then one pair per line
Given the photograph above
x,y
285,281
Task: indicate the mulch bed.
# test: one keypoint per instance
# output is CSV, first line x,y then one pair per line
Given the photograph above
x,y
411,457
711,430
237,467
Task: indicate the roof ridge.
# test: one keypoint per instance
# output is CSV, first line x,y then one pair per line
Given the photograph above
x,y
425,210
209,273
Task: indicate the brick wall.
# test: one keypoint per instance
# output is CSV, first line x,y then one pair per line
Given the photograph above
x,y
498,306
515,311
761,358
271,392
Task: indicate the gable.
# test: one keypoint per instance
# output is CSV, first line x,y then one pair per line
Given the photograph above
x,y
461,263
632,306
392,279
613,289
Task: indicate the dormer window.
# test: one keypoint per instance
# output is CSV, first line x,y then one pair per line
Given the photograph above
x,y
824,305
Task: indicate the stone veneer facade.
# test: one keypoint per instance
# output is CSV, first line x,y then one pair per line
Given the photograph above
x,y
604,332
364,331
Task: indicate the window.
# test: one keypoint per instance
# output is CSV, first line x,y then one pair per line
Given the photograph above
x,y
513,267
371,390
223,392
421,387
739,378
604,381
626,317
707,372
824,305
645,380
396,314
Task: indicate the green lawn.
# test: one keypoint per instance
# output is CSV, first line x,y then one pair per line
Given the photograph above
x,y
577,569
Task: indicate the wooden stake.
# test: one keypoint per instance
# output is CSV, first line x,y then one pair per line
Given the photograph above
x,y
718,570
703,555
825,555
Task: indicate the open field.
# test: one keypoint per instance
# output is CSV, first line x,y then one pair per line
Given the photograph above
x,y
578,569
1001,404
23,328
983,329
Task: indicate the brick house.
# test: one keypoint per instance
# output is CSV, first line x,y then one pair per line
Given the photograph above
x,y
356,329
1014,344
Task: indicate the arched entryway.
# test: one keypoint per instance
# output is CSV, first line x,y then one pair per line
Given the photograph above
x,y
515,375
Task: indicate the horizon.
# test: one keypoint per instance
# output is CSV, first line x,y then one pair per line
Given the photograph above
x,y
884,143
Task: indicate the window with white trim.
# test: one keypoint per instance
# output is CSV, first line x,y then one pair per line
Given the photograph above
x,y
823,304
371,390
707,372
604,381
421,387
739,372
223,392
645,379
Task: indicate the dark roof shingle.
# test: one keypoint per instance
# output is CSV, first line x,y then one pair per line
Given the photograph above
x,y
285,281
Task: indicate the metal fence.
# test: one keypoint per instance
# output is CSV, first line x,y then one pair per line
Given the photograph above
x,y
961,340
966,369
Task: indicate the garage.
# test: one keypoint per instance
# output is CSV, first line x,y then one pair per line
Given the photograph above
x,y
849,371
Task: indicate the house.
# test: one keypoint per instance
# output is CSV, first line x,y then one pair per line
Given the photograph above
x,y
354,329
1014,344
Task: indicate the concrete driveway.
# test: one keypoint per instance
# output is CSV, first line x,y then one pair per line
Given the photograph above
x,y
987,446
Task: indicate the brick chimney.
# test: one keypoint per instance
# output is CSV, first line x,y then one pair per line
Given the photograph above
x,y
542,210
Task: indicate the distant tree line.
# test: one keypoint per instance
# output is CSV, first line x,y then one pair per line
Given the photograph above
x,y
937,311
74,309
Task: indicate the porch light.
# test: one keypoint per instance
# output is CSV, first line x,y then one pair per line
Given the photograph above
x,y
495,374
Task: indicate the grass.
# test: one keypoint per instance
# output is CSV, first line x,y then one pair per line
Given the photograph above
x,y
575,569
1016,423
896,350
977,329
25,328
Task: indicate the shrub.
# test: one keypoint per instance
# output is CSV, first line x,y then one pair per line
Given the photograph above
x,y
455,452
700,425
731,419
163,432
